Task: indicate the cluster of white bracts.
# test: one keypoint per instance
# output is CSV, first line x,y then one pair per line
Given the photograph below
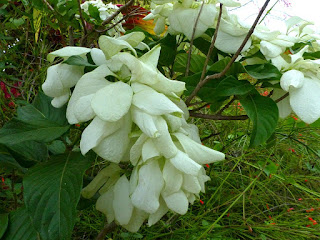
x,y
105,11
136,116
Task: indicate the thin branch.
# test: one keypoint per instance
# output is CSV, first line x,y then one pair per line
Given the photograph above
x,y
48,4
192,38
210,136
107,228
81,18
221,74
226,106
213,40
218,117
199,108
71,37
132,13
283,97
116,13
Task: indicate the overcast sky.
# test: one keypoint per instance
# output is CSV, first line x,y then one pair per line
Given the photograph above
x,y
306,9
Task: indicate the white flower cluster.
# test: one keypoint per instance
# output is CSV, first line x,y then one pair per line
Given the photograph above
x,y
105,11
301,78
136,116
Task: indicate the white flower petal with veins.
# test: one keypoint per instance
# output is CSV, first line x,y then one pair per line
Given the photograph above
x,y
113,101
121,202
150,184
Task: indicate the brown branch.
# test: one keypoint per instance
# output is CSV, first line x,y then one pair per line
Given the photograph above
x,y
213,40
192,38
218,117
226,106
210,136
107,228
116,13
81,18
48,4
71,38
199,108
132,13
283,97
221,74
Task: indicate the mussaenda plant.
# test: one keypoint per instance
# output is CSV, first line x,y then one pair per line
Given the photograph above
x,y
131,96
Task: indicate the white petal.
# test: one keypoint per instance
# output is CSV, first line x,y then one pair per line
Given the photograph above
x,y
133,38
111,46
155,103
149,150
98,56
145,122
183,19
114,146
173,122
305,101
193,132
177,202
181,104
110,182
134,179
88,84
113,101
99,180
203,178
284,105
82,109
270,50
105,205
173,179
162,210
140,71
121,202
151,57
58,102
185,164
291,79
191,183
228,43
95,132
67,52
60,78
164,142
199,153
146,195
136,221
136,149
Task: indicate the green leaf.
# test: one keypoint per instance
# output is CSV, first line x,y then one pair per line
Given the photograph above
x,y
7,160
57,115
196,63
264,114
311,55
29,151
168,50
235,69
203,45
232,86
94,12
51,193
17,131
20,226
57,147
37,122
263,71
78,61
3,224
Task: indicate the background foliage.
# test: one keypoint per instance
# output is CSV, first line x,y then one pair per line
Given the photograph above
x,y
267,192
